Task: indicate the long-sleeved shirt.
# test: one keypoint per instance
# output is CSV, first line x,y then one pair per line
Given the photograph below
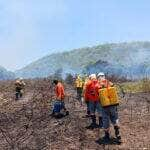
x,y
59,91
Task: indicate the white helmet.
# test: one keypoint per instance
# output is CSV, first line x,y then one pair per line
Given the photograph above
x,y
92,76
100,74
20,78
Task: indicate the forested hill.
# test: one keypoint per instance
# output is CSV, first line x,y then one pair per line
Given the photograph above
x,y
128,59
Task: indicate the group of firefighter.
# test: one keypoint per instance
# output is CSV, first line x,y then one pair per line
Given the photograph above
x,y
98,93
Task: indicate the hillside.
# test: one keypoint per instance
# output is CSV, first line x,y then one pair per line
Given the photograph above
x,y
5,75
129,59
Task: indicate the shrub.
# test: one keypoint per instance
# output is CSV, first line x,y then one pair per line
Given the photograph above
x,y
146,85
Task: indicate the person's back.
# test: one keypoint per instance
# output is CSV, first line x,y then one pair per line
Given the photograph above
x,y
19,84
79,87
91,92
109,112
59,90
78,82
59,101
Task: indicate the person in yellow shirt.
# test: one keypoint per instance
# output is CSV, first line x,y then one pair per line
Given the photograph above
x,y
79,87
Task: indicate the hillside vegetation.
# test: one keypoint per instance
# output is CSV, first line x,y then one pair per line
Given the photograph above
x,y
137,86
126,59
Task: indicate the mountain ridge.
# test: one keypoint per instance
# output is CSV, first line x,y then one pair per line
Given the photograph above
x,y
6,75
119,55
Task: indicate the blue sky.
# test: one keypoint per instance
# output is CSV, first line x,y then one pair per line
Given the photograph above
x,y
30,29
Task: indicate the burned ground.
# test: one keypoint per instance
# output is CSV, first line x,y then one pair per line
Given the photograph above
x,y
27,125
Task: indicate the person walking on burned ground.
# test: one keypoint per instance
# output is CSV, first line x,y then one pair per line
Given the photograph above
x,y
19,87
79,87
109,102
91,93
59,109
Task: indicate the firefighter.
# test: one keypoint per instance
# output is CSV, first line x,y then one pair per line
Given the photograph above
x,y
92,94
59,104
19,84
109,113
79,87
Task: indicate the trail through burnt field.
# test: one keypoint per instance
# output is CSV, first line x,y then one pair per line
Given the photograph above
x,y
26,124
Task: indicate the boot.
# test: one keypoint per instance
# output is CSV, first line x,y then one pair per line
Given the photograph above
x,y
88,114
52,114
17,95
93,124
106,138
117,133
20,94
67,113
100,122
59,116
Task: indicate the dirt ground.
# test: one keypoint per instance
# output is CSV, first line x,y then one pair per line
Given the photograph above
x,y
26,124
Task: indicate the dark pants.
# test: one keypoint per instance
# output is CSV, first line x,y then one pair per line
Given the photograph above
x,y
79,93
95,106
88,107
58,106
57,110
18,92
110,113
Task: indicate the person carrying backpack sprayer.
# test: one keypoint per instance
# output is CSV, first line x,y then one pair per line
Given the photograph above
x,y
59,103
109,101
91,92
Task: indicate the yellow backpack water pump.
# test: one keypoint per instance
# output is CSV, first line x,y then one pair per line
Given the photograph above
x,y
108,96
